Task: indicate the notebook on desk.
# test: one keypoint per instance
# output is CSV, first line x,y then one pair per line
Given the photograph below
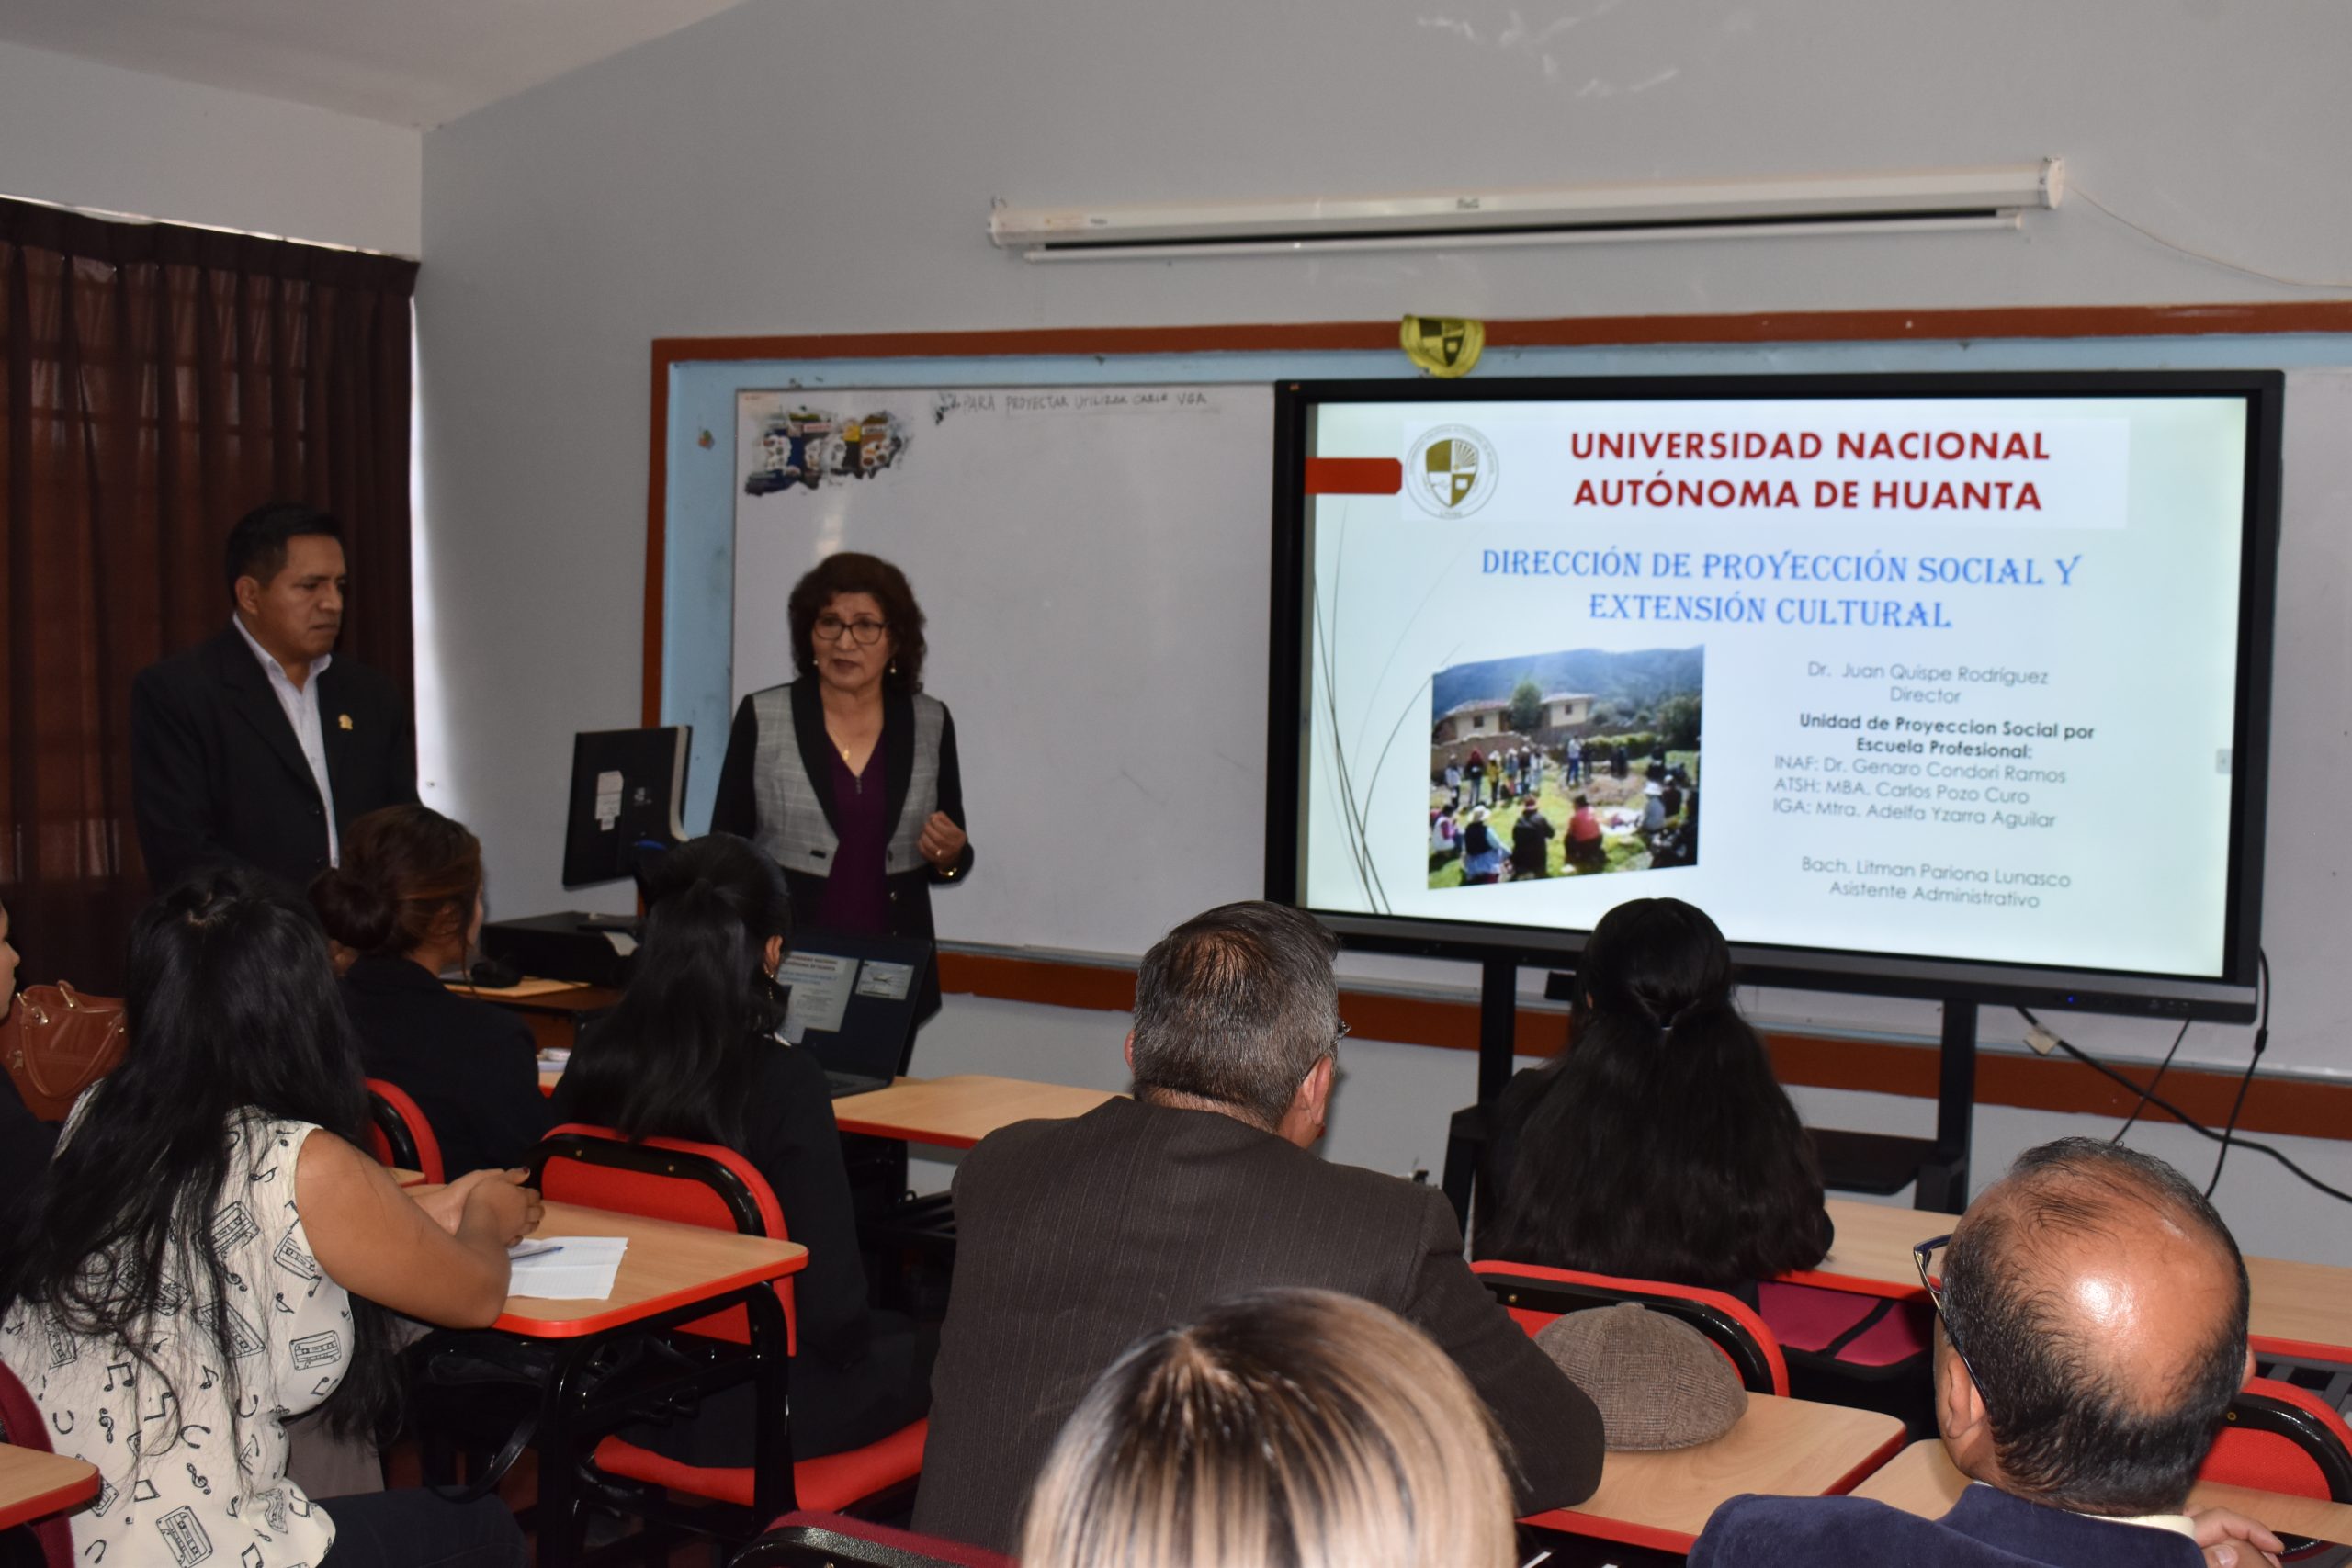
x,y
853,1004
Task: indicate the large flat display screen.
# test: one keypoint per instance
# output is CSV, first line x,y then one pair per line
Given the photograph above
x,y
1927,684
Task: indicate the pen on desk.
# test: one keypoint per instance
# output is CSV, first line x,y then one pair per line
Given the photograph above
x,y
548,1251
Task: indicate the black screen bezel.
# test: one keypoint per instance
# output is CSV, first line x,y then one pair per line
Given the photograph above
x,y
2229,998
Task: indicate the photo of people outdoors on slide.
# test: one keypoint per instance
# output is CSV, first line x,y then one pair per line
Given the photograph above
x,y
1573,764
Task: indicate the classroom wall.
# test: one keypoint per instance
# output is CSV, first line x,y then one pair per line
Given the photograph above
x,y
821,166
825,166
82,134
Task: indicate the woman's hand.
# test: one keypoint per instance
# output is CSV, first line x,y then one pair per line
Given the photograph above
x,y
510,1209
447,1206
942,843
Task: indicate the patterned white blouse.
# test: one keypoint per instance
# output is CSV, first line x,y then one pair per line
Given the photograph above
x,y
187,1480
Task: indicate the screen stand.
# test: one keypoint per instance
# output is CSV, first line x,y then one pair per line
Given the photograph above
x,y
1944,1176
1935,1168
1498,1025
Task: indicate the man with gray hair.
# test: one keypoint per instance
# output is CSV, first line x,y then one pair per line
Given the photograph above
x,y
2093,1332
1074,1238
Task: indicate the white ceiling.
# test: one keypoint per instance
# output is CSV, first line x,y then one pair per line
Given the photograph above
x,y
415,63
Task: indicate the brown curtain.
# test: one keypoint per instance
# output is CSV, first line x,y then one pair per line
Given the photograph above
x,y
160,382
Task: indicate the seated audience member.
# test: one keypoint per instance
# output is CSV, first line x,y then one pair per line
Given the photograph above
x,y
2094,1330
1482,851
1074,1237
1290,1426
690,1052
1585,847
1658,1145
1530,842
407,902
24,1139
211,1254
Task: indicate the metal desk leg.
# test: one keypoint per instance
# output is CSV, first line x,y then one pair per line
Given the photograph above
x,y
561,1522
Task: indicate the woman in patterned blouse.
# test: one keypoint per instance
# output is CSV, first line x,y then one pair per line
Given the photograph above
x,y
210,1254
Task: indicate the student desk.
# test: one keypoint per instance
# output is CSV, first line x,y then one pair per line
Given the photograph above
x,y
552,1008
34,1486
950,1112
672,1274
1921,1480
2299,1310
1790,1448
958,1112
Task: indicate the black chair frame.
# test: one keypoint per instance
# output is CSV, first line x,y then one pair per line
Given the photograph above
x,y
1560,1296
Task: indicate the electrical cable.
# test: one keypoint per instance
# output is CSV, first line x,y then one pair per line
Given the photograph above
x,y
2261,1042
2208,256
2178,1114
2162,1068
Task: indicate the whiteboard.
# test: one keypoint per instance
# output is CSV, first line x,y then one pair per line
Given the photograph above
x,y
1091,562
1096,583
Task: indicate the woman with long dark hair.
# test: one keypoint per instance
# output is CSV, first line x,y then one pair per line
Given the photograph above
x,y
406,899
1658,1145
690,1052
210,1254
848,776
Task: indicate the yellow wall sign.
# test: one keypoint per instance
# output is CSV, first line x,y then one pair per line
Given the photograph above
x,y
1443,345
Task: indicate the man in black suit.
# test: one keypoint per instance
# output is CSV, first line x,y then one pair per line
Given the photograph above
x,y
2094,1330
1075,1237
260,745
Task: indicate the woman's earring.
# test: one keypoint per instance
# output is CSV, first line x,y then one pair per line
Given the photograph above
x,y
894,667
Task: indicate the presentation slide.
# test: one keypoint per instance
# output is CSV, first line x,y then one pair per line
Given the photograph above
x,y
1947,678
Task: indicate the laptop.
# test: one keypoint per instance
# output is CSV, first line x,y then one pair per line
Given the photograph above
x,y
852,1004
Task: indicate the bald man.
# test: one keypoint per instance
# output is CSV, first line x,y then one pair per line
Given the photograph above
x,y
2093,1331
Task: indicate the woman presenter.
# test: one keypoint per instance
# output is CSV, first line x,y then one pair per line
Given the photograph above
x,y
848,776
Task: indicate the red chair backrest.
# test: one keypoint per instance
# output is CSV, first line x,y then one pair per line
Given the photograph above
x,y
1534,1295
21,1425
2278,1437
397,1134
667,1179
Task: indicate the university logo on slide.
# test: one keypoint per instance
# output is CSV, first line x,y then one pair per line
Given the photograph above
x,y
1452,471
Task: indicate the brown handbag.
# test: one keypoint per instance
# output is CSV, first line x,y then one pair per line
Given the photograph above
x,y
56,1042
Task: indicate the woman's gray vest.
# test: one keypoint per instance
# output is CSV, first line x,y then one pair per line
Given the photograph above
x,y
793,829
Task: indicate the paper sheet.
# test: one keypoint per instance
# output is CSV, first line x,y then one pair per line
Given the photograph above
x,y
566,1268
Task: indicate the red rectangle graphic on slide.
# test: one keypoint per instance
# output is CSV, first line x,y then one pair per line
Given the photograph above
x,y
1354,476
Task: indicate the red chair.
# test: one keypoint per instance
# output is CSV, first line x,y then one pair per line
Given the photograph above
x,y
1534,1295
397,1134
21,1425
2278,1437
806,1539
703,1184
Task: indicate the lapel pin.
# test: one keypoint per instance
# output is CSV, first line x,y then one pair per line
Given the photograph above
x,y
343,719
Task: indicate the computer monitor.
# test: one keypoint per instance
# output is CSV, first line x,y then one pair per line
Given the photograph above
x,y
628,788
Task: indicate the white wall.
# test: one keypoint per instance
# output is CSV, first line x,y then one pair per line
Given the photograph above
x,y
1393,1101
823,166
81,134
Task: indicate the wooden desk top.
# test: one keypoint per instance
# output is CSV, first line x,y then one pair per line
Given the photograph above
x,y
958,1112
1790,1448
667,1265
1921,1480
2298,1309
34,1486
534,994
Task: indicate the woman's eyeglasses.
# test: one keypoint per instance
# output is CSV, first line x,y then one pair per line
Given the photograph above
x,y
865,633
